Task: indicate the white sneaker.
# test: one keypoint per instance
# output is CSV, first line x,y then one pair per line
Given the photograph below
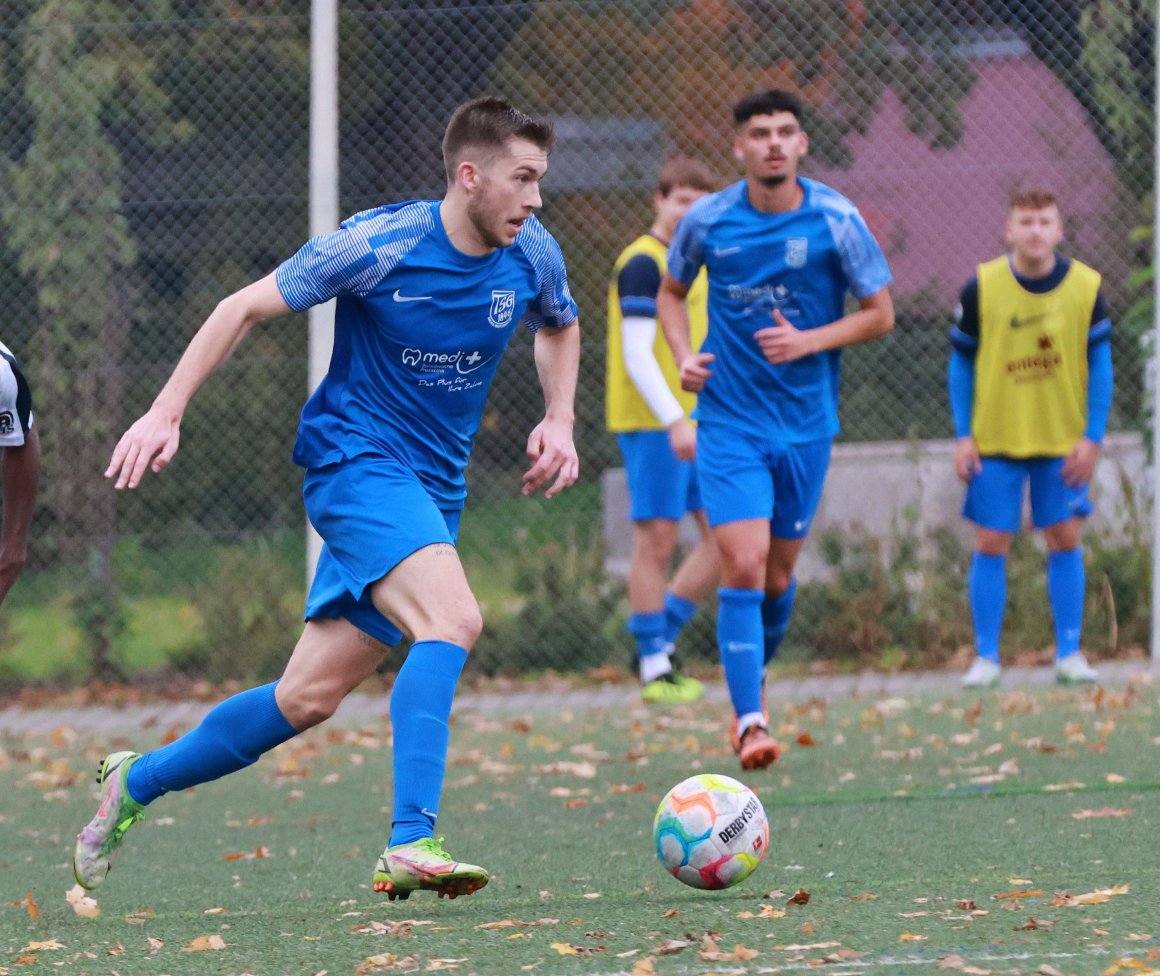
x,y
983,674
1075,670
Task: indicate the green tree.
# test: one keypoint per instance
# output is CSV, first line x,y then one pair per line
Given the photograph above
x,y
62,216
1120,59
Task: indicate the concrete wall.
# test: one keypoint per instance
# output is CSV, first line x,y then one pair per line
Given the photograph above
x,y
877,485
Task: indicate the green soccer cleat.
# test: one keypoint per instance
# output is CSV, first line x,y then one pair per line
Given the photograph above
x,y
99,840
424,864
672,689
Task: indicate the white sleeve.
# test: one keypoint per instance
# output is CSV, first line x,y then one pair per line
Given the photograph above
x,y
645,372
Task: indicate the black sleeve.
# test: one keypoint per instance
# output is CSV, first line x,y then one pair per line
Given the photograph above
x,y
967,316
640,278
1100,310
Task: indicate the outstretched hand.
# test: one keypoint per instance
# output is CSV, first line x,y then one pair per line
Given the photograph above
x,y
149,444
551,451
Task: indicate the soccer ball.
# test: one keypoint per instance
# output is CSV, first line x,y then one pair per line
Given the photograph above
x,y
711,831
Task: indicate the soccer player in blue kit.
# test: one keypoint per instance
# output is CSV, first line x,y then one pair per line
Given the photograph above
x,y
429,294
782,252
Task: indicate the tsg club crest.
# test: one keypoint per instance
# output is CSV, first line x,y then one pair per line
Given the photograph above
x,y
503,305
796,251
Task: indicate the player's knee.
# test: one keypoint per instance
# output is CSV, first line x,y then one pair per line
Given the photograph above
x,y
306,706
744,570
778,580
461,626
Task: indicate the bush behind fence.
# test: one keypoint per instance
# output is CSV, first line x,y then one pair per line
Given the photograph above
x,y
155,159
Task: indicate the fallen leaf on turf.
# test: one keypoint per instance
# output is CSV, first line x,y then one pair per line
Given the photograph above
x,y
213,911
508,923
117,950
803,948
1101,812
1020,881
864,896
138,918
806,740
24,960
670,947
82,904
799,897
1115,778
42,946
1089,898
959,964
627,787
966,905
911,937
764,911
1033,925
573,950
643,967
204,943
584,770
257,854
710,953
1025,893
33,908
808,928
1046,970
1063,787
1138,937
387,960
670,913
155,945
438,965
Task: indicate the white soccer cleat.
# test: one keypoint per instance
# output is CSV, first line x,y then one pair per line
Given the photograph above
x,y
982,674
1075,670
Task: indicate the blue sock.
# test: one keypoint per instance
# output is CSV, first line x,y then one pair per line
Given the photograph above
x,y
652,652
233,734
739,638
420,710
678,612
1066,580
649,631
987,584
775,619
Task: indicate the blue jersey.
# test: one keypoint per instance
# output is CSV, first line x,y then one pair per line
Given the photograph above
x,y
802,263
419,330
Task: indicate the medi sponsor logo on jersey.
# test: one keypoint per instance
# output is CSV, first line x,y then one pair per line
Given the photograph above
x,y
437,367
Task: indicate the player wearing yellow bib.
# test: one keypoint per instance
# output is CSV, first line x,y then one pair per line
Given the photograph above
x,y
1030,381
649,413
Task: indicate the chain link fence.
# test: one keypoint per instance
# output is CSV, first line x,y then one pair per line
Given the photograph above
x,y
155,159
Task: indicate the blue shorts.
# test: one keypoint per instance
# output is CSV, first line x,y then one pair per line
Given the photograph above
x,y
747,477
994,498
660,485
372,513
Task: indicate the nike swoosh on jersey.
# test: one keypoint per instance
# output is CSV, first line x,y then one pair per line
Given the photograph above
x,y
722,252
1017,322
398,296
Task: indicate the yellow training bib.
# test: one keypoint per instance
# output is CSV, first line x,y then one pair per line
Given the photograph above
x,y
625,408
1031,371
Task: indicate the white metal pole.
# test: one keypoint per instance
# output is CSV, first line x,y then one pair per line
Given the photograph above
x,y
323,194
1156,368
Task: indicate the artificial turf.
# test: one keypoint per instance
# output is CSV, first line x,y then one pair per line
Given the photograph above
x,y
994,833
